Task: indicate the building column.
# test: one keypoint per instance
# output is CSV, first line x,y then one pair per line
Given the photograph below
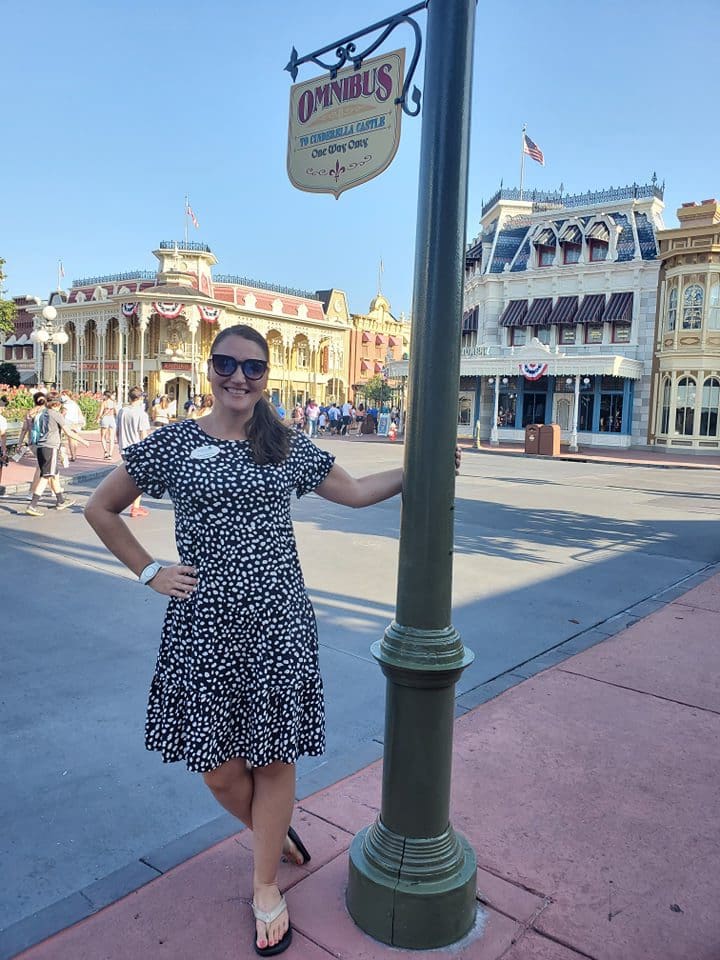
x,y
576,412
494,441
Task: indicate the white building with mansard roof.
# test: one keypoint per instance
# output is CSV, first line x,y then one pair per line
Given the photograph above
x,y
559,316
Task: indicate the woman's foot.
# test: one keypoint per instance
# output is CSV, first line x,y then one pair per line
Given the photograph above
x,y
269,903
294,850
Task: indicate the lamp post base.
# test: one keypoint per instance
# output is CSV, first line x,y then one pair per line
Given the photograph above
x,y
412,893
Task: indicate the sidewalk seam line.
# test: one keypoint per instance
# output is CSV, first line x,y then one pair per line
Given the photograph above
x,y
644,693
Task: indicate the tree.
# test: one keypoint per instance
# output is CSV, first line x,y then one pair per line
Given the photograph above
x,y
377,389
7,307
9,374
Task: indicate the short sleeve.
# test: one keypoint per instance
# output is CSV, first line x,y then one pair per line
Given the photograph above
x,y
311,465
147,463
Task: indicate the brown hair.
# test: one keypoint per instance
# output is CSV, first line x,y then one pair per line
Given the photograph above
x,y
135,393
267,435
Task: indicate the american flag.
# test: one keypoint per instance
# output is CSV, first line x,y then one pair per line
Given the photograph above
x,y
533,150
189,212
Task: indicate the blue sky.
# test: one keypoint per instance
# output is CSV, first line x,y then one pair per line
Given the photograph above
x,y
113,111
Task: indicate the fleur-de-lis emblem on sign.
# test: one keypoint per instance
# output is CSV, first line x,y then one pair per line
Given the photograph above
x,y
337,171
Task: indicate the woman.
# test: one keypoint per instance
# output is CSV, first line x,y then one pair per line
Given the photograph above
x,y
108,424
161,412
206,405
237,692
298,417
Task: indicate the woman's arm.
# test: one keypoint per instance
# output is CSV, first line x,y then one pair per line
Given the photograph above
x,y
340,487
115,493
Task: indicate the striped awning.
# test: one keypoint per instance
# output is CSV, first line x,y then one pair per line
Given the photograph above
x,y
564,311
470,320
545,238
591,309
514,314
392,341
366,337
540,310
598,231
620,307
571,235
364,366
379,339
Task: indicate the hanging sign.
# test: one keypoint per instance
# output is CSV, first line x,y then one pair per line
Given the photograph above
x,y
533,371
345,131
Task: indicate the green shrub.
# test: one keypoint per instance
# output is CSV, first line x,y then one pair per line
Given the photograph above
x,y
90,408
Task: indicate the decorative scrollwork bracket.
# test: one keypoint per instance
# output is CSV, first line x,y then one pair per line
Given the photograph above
x,y
346,52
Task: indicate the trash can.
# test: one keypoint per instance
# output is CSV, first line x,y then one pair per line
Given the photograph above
x,y
532,438
549,440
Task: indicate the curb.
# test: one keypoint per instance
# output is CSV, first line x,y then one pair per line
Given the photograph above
x,y
68,481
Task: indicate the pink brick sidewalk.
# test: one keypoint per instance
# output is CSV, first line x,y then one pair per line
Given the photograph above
x,y
16,477
590,793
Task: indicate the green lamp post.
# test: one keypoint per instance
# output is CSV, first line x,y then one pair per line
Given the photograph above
x,y
411,877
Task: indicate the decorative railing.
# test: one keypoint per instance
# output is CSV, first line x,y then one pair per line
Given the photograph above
x,y
184,245
113,277
261,285
547,199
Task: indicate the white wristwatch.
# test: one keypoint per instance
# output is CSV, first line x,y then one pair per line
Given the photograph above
x,y
151,570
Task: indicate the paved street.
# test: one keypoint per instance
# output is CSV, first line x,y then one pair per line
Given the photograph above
x,y
545,552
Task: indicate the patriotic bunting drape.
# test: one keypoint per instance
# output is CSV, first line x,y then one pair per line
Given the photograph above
x,y
129,309
533,371
210,314
168,310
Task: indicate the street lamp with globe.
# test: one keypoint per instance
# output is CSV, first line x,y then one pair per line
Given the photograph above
x,y
49,334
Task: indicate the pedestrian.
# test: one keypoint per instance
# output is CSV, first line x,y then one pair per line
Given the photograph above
x,y
346,418
161,412
237,693
75,419
280,410
322,422
108,424
298,417
46,435
312,412
334,418
3,435
133,425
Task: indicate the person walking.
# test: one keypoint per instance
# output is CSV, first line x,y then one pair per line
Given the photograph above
x,y
298,417
133,425
46,435
108,424
161,412
74,418
237,694
312,412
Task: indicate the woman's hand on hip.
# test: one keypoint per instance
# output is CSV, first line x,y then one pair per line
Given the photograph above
x,y
176,581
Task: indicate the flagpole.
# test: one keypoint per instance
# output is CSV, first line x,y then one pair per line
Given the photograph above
x,y
380,273
187,204
59,273
522,160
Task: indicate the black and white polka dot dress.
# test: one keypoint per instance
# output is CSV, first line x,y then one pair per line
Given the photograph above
x,y
237,673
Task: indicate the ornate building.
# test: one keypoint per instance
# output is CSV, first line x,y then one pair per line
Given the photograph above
x,y
376,339
155,329
686,382
560,303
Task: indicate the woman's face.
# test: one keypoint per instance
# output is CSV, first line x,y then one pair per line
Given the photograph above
x,y
236,393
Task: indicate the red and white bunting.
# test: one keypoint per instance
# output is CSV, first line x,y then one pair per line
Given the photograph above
x,y
129,309
168,310
533,371
210,314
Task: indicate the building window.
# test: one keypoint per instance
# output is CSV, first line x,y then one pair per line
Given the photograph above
x,y
714,306
302,354
568,333
545,255
685,406
710,404
692,307
518,336
585,413
571,252
276,351
465,405
534,401
594,333
597,250
543,334
672,310
611,412
507,404
665,419
621,332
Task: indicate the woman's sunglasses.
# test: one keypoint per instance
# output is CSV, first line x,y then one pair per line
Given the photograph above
x,y
225,366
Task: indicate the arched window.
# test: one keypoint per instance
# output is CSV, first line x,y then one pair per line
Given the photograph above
x,y
672,309
710,405
714,306
692,307
302,353
665,415
685,406
276,349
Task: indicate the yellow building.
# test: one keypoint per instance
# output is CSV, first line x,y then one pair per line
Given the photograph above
x,y
155,330
377,338
685,404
